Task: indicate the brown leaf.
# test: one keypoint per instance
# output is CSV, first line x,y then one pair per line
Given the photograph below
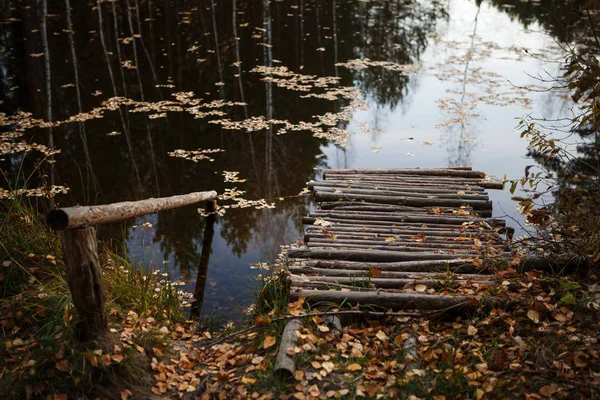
x,y
91,357
471,330
63,365
374,273
549,390
125,394
299,375
354,367
534,316
269,341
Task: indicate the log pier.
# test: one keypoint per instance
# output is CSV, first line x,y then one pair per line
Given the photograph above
x,y
398,239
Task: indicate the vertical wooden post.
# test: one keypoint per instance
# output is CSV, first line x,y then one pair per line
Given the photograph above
x,y
209,233
84,276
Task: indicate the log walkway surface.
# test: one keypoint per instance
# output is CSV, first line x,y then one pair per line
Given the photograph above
x,y
398,239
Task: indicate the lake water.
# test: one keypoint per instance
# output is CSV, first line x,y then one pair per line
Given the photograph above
x,y
261,96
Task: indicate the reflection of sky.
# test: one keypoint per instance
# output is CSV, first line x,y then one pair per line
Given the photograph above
x,y
497,148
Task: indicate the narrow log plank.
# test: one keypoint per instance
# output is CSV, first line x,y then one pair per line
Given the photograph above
x,y
402,266
365,255
398,245
387,300
400,224
387,219
365,273
377,237
359,206
76,217
391,186
404,200
337,283
400,193
417,187
404,230
408,171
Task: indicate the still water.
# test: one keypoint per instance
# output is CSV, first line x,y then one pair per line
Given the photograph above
x,y
148,98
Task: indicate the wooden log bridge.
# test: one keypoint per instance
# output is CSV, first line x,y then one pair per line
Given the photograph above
x,y
80,250
398,239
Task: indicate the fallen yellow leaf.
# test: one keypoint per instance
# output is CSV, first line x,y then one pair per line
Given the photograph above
x,y
354,367
534,316
269,341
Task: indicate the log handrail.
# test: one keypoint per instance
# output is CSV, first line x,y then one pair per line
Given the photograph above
x,y
80,216
80,250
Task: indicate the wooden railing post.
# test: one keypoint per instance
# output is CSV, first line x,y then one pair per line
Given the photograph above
x,y
84,276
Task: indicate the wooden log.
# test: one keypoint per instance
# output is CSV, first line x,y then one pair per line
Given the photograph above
x,y
400,224
362,255
464,183
399,193
406,249
386,300
396,218
336,213
404,200
433,180
318,273
467,239
424,266
391,186
381,282
330,205
358,206
449,231
398,245
285,364
76,217
418,187
408,171
360,284
84,277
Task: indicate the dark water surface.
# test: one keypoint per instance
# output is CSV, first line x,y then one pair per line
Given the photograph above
x,y
274,90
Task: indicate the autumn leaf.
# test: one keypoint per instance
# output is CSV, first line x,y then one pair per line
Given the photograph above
x,y
354,367
63,365
328,366
534,316
477,262
117,358
269,341
381,336
549,390
299,375
471,330
125,394
246,380
420,288
374,273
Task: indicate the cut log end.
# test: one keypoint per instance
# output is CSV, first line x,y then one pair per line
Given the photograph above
x,y
58,220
